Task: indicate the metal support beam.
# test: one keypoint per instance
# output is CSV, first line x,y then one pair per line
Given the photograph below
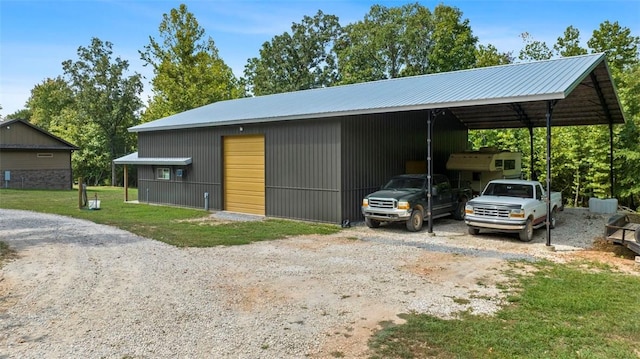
x,y
607,113
550,105
532,175
430,119
524,118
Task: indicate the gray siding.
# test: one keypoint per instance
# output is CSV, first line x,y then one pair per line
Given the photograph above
x,y
314,169
377,147
303,170
302,160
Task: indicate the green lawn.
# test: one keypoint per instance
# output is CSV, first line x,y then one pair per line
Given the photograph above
x,y
173,225
559,311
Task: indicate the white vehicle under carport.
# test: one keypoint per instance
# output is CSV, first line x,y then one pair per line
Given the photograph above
x,y
515,206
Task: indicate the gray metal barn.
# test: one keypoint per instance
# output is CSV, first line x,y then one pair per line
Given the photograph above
x,y
314,154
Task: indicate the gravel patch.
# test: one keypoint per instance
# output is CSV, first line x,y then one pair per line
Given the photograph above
x,y
83,290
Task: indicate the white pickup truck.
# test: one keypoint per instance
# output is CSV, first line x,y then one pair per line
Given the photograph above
x,y
516,206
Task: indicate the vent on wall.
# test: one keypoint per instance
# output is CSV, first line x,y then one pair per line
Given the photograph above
x,y
45,155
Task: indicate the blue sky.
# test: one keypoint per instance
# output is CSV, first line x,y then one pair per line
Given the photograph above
x,y
36,36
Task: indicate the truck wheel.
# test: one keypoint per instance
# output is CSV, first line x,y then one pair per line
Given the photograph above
x,y
554,218
526,234
473,231
371,223
414,223
459,212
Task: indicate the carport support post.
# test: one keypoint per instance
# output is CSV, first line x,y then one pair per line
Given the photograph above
x,y
532,175
430,119
548,199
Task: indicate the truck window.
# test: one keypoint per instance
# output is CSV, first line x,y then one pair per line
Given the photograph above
x,y
539,192
403,183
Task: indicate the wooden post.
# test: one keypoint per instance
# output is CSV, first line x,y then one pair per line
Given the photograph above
x,y
80,192
126,185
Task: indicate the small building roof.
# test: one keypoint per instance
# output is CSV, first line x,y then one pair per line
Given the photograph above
x,y
507,96
133,159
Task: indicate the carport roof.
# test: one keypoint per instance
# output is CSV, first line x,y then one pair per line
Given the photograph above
x,y
507,96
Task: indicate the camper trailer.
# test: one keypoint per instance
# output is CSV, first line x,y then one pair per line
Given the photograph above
x,y
479,167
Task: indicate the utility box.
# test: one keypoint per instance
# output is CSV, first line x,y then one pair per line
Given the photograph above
x,y
479,167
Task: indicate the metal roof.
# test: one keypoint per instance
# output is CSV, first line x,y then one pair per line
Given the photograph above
x,y
506,96
133,159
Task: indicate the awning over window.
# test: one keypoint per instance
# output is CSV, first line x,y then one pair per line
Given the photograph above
x,y
133,159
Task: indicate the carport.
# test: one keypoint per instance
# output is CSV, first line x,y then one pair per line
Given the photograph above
x,y
571,91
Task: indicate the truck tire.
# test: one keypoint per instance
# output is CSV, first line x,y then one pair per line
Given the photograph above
x,y
526,234
458,213
473,231
554,218
414,223
371,223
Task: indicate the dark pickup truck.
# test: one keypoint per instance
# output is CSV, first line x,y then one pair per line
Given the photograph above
x,y
404,199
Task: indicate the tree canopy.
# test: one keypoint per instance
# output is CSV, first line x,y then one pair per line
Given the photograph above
x,y
105,103
298,61
188,71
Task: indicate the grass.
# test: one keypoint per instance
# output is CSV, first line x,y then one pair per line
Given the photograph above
x,y
558,311
182,227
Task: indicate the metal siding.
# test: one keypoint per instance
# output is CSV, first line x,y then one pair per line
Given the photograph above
x,y
202,176
375,148
302,162
302,167
29,160
18,133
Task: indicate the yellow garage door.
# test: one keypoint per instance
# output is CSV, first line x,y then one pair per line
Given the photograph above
x,y
244,174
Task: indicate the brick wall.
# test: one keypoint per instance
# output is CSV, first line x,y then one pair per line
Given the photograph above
x,y
38,179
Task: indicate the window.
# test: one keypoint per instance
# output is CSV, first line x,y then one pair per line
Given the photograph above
x,y
498,163
163,173
509,164
45,155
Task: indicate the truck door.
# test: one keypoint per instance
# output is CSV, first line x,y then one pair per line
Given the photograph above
x,y
442,200
540,208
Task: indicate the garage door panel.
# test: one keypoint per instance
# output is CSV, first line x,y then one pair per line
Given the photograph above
x,y
244,178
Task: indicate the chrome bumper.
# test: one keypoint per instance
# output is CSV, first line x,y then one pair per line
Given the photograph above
x,y
386,215
496,224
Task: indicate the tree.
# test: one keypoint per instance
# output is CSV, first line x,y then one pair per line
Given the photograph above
x,y
534,50
489,56
569,44
106,103
188,71
405,41
301,60
47,101
453,41
616,41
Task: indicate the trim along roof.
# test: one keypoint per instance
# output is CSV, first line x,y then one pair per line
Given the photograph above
x,y
507,96
133,159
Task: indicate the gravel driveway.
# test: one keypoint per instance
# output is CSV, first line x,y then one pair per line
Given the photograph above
x,y
83,290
